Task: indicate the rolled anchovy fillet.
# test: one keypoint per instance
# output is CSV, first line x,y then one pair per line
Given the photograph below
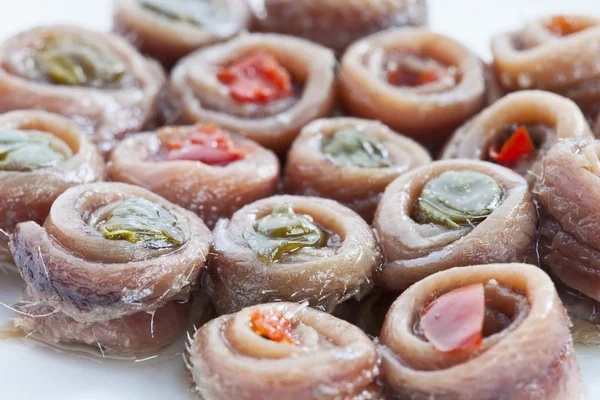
x,y
265,253
197,95
337,25
548,117
211,191
419,83
42,155
136,334
554,53
97,79
526,350
109,250
569,242
350,160
415,249
168,30
320,357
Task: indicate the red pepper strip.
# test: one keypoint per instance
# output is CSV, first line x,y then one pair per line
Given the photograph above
x,y
518,145
256,78
561,26
455,320
207,144
272,326
411,78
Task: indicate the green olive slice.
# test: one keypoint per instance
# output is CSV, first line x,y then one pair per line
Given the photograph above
x,y
25,151
458,198
190,12
66,61
283,232
143,220
354,148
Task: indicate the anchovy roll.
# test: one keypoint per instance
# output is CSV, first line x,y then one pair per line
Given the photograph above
x,y
97,79
290,248
518,130
350,160
282,351
265,86
419,83
453,213
107,252
336,25
170,29
556,53
481,332
41,156
203,168
568,194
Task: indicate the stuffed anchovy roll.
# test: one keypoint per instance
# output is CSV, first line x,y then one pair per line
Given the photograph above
x,y
282,351
419,83
41,156
336,24
569,196
453,213
170,29
291,248
518,130
265,86
108,255
482,332
203,168
556,53
97,79
350,160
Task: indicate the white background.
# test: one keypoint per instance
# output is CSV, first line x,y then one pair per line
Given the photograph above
x,y
32,372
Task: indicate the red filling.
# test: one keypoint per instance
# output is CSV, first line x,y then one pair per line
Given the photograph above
x,y
518,146
272,326
561,26
207,144
256,78
454,321
412,78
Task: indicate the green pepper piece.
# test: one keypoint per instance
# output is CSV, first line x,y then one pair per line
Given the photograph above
x,y
283,232
138,220
23,153
174,9
458,198
66,61
354,148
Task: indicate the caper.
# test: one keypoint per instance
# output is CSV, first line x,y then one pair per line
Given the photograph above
x,y
458,198
355,148
66,61
283,232
20,151
143,220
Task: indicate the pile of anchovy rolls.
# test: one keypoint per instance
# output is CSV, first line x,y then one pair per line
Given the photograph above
x,y
278,156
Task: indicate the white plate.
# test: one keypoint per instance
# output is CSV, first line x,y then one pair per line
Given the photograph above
x,y
29,371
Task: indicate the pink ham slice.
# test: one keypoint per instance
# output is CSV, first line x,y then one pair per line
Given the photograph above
x,y
455,320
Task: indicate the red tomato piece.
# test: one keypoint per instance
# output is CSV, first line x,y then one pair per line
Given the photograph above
x,y
206,144
272,326
518,145
256,78
454,321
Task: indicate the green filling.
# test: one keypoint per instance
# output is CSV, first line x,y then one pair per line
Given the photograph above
x,y
138,220
458,198
354,148
172,9
283,232
65,61
22,152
